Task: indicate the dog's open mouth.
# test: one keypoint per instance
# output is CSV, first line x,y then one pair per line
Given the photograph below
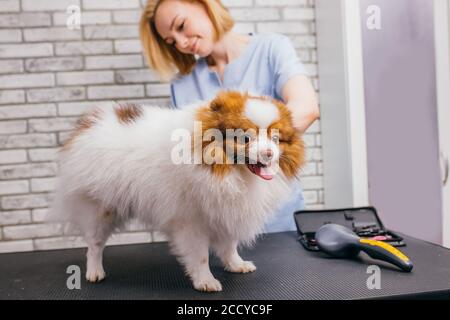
x,y
261,170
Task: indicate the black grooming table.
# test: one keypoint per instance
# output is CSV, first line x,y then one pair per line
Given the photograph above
x,y
285,271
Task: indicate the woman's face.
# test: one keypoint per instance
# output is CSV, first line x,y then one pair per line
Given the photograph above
x,y
185,25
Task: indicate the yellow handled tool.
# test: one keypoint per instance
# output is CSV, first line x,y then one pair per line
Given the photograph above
x,y
341,242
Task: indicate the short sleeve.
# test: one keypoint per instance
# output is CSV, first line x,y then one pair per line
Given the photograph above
x,y
285,62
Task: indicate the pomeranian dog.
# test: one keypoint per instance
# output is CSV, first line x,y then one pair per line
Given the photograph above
x,y
208,176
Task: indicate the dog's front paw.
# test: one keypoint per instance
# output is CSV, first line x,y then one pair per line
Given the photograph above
x,y
242,267
208,285
95,275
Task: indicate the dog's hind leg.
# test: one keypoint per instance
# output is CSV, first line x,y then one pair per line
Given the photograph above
x,y
96,239
97,224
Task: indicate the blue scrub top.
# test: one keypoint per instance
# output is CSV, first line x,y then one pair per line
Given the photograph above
x,y
268,61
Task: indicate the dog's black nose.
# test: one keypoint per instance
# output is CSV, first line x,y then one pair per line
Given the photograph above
x,y
266,155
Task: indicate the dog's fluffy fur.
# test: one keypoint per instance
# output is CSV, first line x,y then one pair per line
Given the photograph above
x,y
117,165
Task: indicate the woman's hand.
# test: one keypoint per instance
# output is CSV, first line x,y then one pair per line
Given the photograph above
x,y
301,99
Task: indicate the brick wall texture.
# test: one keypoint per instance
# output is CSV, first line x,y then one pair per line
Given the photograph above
x,y
50,75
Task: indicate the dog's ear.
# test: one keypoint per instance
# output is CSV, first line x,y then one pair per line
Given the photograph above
x,y
227,101
216,104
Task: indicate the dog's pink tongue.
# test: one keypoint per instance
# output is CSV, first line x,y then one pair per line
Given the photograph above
x,y
263,173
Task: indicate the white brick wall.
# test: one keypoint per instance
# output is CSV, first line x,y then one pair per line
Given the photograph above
x,y
50,75
26,50
13,156
47,5
10,6
25,20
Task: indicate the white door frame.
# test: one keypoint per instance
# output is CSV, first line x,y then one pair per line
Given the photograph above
x,y
339,49
442,44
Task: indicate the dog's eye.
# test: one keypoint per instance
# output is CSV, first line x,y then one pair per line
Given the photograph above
x,y
243,139
276,139
246,138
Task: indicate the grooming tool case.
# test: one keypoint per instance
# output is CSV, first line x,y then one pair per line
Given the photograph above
x,y
364,221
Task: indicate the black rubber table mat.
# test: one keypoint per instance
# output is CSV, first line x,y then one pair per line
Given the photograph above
x,y
285,271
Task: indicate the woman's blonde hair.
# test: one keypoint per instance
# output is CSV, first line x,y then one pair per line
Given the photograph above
x,y
165,58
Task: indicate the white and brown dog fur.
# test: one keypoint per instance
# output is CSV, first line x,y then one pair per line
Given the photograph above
x,y
117,165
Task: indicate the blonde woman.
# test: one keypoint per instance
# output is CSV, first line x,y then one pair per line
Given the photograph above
x,y
191,44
